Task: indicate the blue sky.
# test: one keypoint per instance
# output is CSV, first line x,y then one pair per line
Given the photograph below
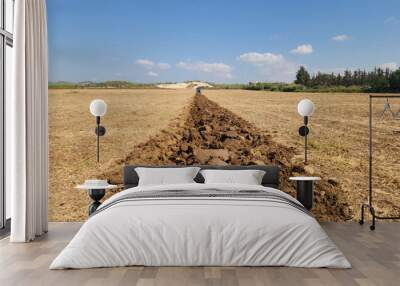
x,y
219,41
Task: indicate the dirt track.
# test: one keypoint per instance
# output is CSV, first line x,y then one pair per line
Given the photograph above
x,y
213,135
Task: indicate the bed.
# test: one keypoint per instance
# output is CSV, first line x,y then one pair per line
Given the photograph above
x,y
197,224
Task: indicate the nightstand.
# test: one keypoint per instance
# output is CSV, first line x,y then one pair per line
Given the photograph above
x,y
305,186
96,190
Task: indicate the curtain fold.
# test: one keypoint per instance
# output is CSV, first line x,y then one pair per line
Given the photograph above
x,y
27,121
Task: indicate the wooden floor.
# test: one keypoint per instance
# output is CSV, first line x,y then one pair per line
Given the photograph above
x,y
375,257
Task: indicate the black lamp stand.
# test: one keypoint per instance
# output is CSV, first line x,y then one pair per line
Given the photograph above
x,y
369,205
100,131
304,131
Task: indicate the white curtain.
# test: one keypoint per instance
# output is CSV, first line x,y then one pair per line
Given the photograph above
x,y
26,123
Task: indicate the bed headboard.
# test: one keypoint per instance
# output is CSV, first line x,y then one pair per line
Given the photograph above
x,y
271,177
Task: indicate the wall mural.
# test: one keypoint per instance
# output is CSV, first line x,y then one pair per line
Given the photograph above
x,y
155,115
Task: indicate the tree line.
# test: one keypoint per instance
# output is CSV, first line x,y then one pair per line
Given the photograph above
x,y
378,80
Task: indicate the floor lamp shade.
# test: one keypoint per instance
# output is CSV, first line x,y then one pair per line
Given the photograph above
x,y
98,107
305,107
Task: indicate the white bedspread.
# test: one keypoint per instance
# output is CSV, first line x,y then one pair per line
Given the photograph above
x,y
200,231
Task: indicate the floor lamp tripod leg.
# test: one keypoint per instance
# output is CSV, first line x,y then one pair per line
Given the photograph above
x,y
372,226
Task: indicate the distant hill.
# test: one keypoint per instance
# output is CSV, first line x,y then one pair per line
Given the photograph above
x,y
104,84
186,84
125,84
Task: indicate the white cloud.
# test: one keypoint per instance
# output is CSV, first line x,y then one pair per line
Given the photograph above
x,y
218,69
153,74
149,64
273,66
392,20
163,66
391,66
304,49
340,38
261,59
145,63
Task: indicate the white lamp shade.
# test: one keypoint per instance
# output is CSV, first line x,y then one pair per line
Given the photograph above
x,y
305,107
98,107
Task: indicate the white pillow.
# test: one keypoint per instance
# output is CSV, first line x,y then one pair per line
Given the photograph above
x,y
166,176
248,177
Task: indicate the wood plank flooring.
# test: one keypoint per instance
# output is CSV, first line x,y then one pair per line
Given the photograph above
x,y
375,257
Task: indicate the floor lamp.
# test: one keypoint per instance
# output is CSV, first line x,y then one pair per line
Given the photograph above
x,y
98,108
369,205
305,108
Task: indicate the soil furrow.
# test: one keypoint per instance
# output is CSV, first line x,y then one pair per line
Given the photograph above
x,y
214,135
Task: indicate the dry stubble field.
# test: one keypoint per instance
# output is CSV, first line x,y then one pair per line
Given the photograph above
x,y
132,117
338,138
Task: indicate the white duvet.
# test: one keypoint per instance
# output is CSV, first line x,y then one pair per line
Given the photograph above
x,y
200,231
